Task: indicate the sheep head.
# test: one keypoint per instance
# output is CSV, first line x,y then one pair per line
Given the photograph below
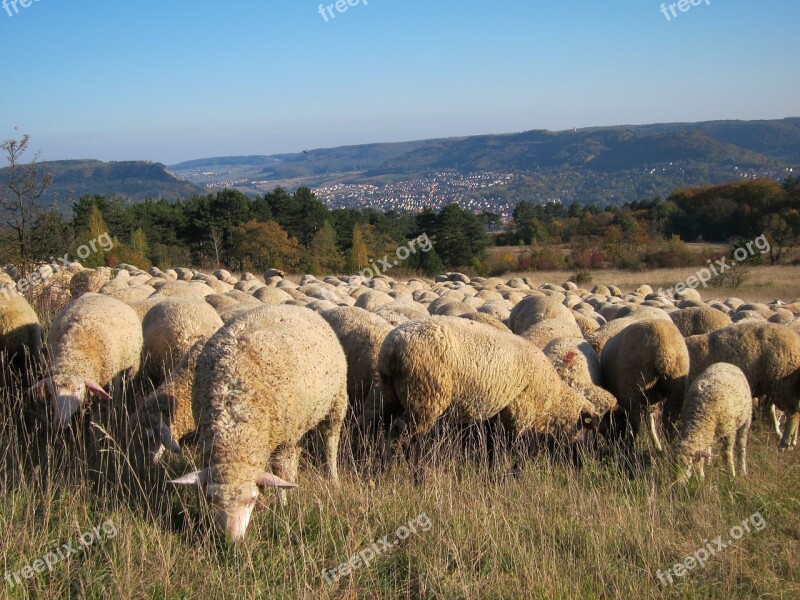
x,y
66,395
232,503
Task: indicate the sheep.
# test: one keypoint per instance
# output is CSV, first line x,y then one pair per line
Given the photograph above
x,y
473,372
361,334
542,333
165,416
578,365
533,309
718,405
647,362
20,331
261,383
170,328
769,356
95,343
694,321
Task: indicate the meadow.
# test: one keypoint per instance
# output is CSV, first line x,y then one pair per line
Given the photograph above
x,y
603,530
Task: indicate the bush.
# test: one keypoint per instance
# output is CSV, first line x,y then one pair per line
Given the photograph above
x,y
546,258
581,277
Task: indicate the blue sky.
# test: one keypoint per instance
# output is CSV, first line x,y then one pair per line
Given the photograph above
x,y
181,79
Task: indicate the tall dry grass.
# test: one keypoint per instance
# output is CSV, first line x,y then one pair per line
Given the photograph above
x,y
603,530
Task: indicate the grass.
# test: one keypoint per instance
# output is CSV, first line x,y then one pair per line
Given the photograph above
x,y
603,530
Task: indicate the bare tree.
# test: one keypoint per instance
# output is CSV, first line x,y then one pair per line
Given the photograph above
x,y
216,235
21,186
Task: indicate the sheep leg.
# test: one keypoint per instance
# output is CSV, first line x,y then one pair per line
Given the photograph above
x,y
789,439
651,428
727,449
741,447
331,430
775,419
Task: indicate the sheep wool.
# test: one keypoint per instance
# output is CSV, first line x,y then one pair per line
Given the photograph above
x,y
94,343
473,372
768,355
718,406
262,381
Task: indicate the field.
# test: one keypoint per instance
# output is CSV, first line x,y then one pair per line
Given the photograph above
x,y
604,530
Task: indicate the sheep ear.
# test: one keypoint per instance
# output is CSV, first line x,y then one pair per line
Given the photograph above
x,y
269,480
166,438
198,477
96,389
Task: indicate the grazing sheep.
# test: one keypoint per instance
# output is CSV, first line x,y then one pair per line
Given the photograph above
x,y
645,363
261,383
165,416
94,343
170,328
20,332
534,309
578,365
543,332
697,320
718,406
473,372
361,334
769,356
599,338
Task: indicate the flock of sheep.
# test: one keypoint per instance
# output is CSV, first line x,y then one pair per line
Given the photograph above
x,y
242,369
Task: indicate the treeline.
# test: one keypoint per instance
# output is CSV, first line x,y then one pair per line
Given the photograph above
x,y
294,232
651,233
297,233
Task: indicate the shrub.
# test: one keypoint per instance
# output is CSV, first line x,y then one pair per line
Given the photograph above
x,y
581,277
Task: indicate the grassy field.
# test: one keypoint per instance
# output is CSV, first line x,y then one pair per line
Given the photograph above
x,y
604,530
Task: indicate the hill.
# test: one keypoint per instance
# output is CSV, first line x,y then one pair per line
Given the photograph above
x,y
135,180
591,165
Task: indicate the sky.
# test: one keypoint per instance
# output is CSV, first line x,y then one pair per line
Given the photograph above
x,y
176,80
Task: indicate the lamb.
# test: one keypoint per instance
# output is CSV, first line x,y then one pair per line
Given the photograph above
x,y
165,416
95,343
473,372
769,356
20,332
698,320
647,362
718,405
261,383
170,328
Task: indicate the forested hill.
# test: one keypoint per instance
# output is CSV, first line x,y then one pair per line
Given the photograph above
x,y
597,165
134,180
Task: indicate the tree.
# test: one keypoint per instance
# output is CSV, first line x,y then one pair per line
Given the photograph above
x,y
323,255
459,236
21,186
782,230
96,228
358,256
216,235
258,246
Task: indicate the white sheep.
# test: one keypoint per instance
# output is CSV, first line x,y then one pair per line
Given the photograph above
x,y
645,363
769,356
170,328
473,372
94,343
718,406
20,332
261,383
165,416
